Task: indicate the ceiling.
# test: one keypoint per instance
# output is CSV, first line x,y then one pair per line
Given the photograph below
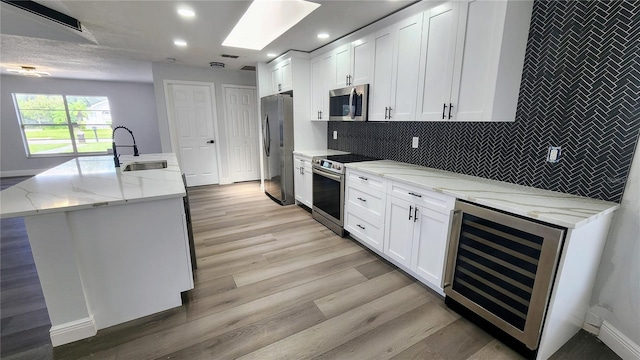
x,y
122,38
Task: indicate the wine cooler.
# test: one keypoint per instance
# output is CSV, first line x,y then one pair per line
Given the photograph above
x,y
500,269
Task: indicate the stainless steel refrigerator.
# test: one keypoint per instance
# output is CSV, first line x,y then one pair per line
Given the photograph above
x,y
277,147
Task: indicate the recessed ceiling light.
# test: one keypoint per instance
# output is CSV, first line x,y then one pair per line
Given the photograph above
x,y
265,21
323,36
186,12
180,42
271,55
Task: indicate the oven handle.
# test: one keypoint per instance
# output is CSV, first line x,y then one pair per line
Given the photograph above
x,y
315,170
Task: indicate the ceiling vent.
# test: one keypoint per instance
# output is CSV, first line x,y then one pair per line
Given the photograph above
x,y
45,12
216,64
230,56
248,68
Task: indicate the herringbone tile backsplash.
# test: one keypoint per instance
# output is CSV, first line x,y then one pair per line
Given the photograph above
x,y
580,90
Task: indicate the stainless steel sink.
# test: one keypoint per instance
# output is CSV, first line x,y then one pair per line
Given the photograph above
x,y
146,165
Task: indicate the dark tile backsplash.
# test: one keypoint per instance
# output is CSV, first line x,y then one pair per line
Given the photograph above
x,y
580,90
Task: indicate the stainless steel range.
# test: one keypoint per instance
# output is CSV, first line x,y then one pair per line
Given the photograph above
x,y
328,189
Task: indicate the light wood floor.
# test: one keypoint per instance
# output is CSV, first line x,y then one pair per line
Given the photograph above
x,y
271,284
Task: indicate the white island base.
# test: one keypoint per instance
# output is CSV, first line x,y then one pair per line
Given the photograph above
x,y
106,265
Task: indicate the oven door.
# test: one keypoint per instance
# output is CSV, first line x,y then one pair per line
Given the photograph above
x,y
328,195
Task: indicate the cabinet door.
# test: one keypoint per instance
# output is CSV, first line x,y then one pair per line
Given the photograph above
x,y
308,183
429,246
286,75
342,61
399,234
361,61
404,84
477,58
380,89
298,180
436,63
276,79
317,88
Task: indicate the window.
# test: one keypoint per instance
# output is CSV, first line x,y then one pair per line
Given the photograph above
x,y
64,124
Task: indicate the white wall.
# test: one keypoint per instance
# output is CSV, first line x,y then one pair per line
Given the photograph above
x,y
132,105
616,294
165,71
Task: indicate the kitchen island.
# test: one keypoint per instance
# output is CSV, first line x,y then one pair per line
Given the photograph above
x,y
109,245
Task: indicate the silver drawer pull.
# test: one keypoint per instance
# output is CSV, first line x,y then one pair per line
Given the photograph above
x,y
361,199
360,226
363,178
416,195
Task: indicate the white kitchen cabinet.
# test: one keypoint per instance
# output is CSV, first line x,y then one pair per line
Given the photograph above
x,y
302,178
281,76
472,60
342,66
320,79
361,61
417,229
396,58
365,208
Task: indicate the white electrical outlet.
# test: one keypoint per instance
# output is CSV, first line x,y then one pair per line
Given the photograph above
x,y
335,135
553,155
414,142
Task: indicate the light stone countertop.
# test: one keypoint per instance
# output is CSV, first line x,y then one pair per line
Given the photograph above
x,y
92,181
553,207
319,152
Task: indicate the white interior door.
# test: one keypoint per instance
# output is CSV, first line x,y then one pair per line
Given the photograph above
x,y
193,116
242,133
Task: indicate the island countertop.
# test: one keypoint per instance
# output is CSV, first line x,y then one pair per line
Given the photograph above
x,y
553,207
92,181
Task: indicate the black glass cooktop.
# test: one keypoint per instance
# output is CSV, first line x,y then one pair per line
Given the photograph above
x,y
349,158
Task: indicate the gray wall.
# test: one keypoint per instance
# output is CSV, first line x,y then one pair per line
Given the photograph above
x,y
616,295
164,71
132,105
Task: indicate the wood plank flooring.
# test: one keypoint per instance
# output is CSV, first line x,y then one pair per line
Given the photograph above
x,y
271,283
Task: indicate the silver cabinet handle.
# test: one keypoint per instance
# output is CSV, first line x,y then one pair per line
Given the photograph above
x,y
414,194
410,210
363,178
320,115
444,108
211,142
389,112
415,214
386,108
360,226
361,199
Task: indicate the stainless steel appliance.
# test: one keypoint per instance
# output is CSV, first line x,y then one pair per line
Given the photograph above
x,y
500,272
349,103
277,146
328,189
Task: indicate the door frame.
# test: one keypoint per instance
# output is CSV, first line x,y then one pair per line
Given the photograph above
x,y
258,124
173,130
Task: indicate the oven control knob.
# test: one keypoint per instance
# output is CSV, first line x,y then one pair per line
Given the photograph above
x,y
337,166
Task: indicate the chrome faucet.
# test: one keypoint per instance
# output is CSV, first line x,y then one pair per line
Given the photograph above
x,y
116,157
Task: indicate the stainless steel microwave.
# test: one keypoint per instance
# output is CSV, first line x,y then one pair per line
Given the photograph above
x,y
349,103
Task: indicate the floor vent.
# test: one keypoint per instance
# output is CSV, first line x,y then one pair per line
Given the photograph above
x,y
45,12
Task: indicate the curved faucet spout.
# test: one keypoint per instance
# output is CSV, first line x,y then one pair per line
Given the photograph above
x,y
116,157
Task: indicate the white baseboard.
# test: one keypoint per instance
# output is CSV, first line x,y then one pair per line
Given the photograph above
x,y
72,331
29,172
618,342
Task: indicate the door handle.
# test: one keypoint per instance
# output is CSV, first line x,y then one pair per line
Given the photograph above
x,y
415,214
211,142
320,115
410,211
450,107
389,112
361,199
385,112
444,108
360,226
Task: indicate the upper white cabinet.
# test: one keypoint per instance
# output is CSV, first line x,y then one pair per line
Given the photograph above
x,y
342,66
396,57
320,80
472,59
361,61
281,76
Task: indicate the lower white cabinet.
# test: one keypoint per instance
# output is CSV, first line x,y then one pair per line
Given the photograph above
x,y
406,224
302,180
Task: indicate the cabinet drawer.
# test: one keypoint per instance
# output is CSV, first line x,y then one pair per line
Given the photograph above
x,y
364,231
366,200
370,181
430,199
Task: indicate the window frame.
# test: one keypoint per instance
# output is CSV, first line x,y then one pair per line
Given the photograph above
x,y
69,124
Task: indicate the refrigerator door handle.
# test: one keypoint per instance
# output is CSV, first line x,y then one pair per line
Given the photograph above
x,y
266,136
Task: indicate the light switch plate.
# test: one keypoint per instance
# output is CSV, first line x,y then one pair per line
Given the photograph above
x,y
553,155
414,142
335,135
